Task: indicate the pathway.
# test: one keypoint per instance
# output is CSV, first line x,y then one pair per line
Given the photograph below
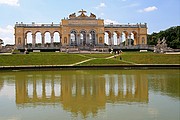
x,y
82,62
113,56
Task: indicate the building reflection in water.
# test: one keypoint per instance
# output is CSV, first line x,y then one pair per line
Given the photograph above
x,y
81,93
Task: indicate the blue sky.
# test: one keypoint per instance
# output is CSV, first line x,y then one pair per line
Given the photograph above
x,y
158,14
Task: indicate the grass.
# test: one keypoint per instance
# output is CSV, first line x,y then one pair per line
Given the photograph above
x,y
40,59
150,58
101,61
67,59
97,55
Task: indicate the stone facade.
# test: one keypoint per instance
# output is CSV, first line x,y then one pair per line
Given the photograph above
x,y
81,30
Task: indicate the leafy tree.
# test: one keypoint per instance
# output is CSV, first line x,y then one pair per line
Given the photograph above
x,y
172,36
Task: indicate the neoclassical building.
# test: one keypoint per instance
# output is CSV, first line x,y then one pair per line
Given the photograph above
x,y
79,30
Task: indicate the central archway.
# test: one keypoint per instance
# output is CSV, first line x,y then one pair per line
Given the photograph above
x,y
93,37
73,38
83,38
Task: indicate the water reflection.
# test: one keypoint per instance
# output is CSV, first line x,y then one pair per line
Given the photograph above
x,y
87,92
77,92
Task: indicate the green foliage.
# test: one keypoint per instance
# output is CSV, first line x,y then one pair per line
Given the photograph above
x,y
171,35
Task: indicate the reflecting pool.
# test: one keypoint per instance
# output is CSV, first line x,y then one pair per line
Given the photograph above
x,y
90,95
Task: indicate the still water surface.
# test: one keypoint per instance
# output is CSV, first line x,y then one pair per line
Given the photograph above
x,y
90,95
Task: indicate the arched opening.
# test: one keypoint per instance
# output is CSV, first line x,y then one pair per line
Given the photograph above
x,y
57,40
38,39
57,37
73,38
28,39
134,38
125,38
114,41
116,38
83,38
93,37
47,39
107,37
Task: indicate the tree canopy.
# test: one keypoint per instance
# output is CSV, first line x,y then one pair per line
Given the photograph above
x,y
172,36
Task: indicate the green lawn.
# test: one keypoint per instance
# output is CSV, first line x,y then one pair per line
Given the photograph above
x,y
150,58
67,59
97,55
40,59
101,61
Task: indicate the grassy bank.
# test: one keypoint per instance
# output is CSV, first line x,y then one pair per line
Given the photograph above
x,y
99,59
40,59
150,58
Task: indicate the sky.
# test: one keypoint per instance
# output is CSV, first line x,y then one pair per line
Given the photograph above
x,y
158,14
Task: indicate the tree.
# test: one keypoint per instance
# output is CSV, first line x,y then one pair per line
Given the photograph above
x,y
172,36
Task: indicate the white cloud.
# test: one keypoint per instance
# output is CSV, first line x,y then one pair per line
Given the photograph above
x,y
101,5
108,21
10,2
7,34
148,9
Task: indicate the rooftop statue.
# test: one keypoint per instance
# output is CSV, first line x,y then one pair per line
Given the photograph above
x,y
93,15
72,15
82,13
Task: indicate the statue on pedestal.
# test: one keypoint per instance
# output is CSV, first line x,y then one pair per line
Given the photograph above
x,y
161,46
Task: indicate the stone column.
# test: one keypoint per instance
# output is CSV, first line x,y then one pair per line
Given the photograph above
x,y
43,42
25,40
60,40
87,38
112,39
78,39
118,39
33,40
52,39
68,40
109,40
126,40
96,39
129,39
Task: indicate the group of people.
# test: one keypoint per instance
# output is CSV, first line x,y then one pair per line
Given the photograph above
x,y
116,52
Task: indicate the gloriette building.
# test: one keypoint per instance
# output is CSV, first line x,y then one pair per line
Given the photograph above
x,y
77,31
